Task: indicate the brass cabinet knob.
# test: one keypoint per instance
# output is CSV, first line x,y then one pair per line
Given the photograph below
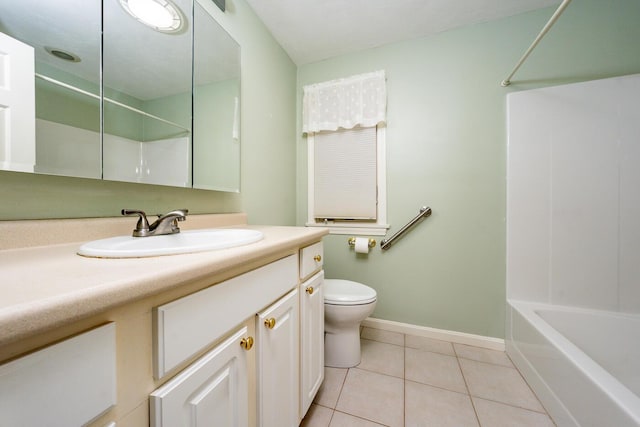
x,y
309,290
246,343
270,323
317,258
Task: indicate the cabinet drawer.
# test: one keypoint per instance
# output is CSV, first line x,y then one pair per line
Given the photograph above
x,y
310,259
186,326
66,384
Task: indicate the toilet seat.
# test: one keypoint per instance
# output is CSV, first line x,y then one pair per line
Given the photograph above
x,y
346,292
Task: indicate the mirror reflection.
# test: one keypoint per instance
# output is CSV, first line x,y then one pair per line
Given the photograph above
x,y
216,100
152,75
147,93
63,115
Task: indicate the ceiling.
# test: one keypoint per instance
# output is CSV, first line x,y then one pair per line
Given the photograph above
x,y
313,30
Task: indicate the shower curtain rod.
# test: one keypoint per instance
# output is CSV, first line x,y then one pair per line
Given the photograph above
x,y
506,82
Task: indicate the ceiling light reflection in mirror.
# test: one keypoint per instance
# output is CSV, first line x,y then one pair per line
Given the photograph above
x,y
161,15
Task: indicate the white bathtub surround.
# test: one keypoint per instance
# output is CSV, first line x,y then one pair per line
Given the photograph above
x,y
123,159
572,246
162,161
569,357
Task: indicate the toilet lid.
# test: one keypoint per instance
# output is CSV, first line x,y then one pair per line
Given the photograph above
x,y
346,292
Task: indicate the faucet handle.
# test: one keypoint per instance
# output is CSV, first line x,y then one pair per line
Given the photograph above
x,y
142,227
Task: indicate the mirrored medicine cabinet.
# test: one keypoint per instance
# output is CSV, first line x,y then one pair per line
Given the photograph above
x,y
97,89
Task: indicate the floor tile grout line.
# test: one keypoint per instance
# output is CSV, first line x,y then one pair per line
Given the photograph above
x,y
438,387
324,406
466,385
533,392
511,405
377,372
333,412
489,363
360,417
544,411
344,380
382,342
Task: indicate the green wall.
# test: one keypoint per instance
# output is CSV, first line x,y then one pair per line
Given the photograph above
x,y
267,150
446,148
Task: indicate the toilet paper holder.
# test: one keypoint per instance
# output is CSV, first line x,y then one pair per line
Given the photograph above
x,y
352,242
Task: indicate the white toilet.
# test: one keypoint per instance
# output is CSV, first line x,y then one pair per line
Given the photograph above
x,y
346,304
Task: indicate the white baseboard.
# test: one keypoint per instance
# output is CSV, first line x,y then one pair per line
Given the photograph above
x,y
438,334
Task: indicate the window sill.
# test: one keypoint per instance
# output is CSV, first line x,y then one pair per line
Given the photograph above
x,y
353,229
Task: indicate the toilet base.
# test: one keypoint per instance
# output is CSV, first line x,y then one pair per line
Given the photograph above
x,y
342,350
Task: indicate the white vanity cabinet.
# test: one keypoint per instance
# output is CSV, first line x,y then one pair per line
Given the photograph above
x,y
211,392
266,370
311,324
66,384
277,332
214,390
169,341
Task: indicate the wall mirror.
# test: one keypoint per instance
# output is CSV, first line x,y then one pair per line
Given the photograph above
x,y
216,102
105,93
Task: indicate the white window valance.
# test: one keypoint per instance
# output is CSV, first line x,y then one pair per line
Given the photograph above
x,y
359,100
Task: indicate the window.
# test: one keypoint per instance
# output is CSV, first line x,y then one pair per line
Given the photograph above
x,y
347,180
344,122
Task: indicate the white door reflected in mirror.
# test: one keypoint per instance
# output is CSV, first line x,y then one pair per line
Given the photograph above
x,y
17,106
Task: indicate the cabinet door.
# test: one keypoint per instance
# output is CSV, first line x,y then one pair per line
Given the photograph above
x,y
212,391
311,340
278,357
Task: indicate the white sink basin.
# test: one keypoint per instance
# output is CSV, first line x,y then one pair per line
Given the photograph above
x,y
171,244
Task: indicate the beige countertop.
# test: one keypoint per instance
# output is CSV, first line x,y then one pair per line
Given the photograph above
x,y
45,286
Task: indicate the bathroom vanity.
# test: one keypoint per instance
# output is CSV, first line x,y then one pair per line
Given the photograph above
x,y
227,337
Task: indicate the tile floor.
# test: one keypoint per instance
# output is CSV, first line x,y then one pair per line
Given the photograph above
x,y
404,380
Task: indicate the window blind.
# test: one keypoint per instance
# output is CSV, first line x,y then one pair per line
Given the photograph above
x,y
345,174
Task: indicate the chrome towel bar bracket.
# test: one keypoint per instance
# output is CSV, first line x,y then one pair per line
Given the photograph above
x,y
424,212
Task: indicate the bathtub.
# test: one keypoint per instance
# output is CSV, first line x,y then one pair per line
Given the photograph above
x,y
584,365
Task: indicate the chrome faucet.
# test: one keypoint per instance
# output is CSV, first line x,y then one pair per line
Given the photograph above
x,y
165,224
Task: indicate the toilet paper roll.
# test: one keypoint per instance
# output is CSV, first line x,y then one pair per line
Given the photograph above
x,y
362,245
